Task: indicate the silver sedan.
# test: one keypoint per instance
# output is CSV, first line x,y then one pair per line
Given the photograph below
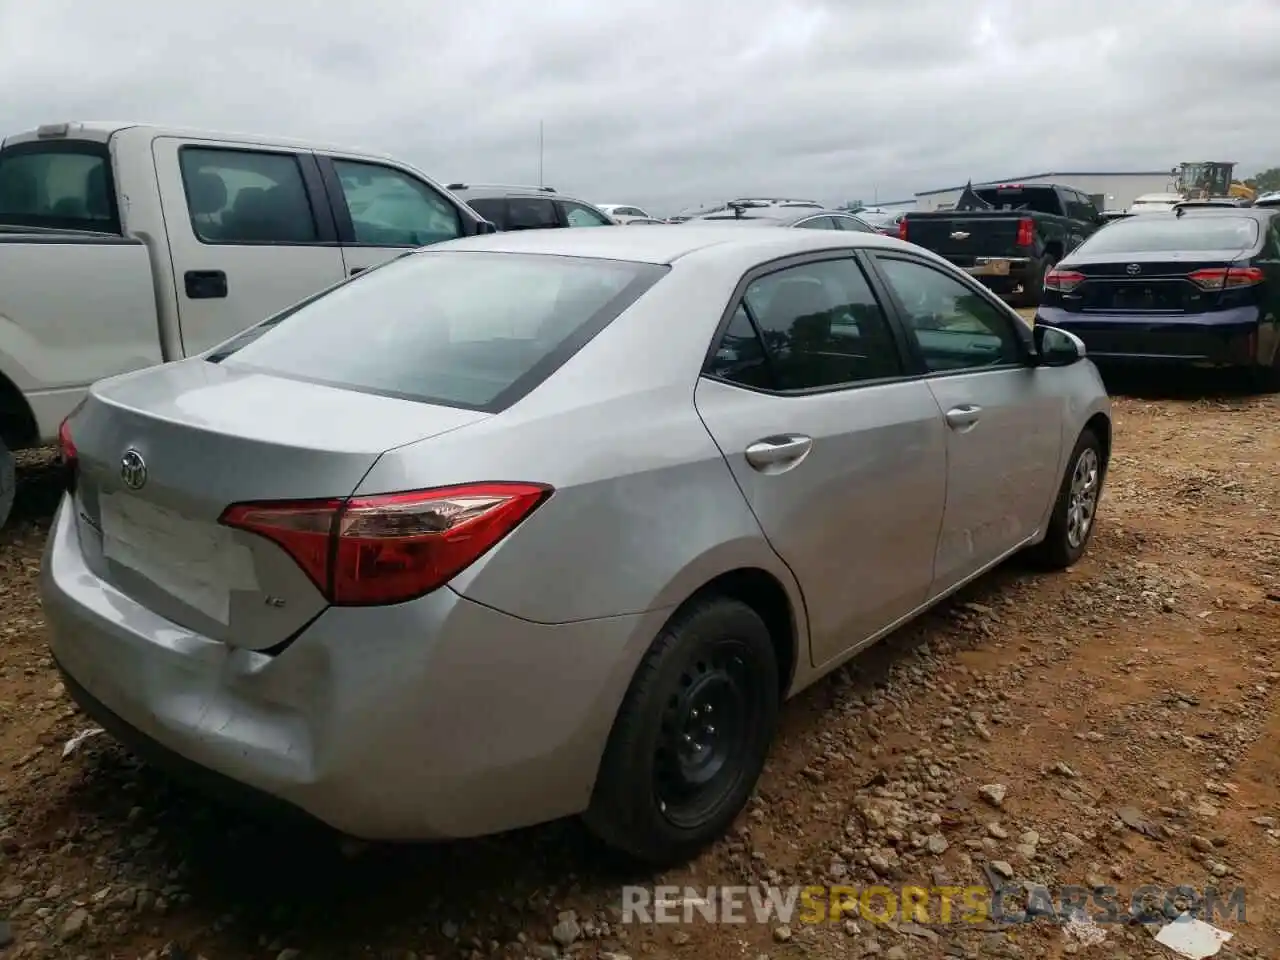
x,y
549,523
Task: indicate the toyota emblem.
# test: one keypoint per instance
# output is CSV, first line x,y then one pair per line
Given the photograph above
x,y
1133,269
133,470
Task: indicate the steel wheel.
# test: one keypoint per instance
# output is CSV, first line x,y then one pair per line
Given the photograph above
x,y
704,735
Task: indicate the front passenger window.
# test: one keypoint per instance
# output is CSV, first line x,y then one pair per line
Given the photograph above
x,y
956,327
391,209
578,215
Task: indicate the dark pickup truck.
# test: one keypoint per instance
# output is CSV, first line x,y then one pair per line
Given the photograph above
x,y
1007,236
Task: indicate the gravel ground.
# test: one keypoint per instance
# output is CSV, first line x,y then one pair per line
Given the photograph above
x,y
1115,724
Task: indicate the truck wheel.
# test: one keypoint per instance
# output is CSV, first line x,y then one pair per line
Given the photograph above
x,y
1034,287
8,482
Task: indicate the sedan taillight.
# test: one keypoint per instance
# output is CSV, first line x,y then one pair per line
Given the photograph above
x,y
1226,278
363,551
1063,281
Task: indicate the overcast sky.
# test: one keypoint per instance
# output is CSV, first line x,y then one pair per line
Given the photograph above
x,y
672,103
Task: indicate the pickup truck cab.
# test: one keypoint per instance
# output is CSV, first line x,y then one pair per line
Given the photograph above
x,y
1007,236
125,245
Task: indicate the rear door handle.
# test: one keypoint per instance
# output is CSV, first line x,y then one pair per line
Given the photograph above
x,y
205,284
355,270
783,451
959,418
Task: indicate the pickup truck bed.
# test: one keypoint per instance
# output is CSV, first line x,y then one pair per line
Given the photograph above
x,y
50,345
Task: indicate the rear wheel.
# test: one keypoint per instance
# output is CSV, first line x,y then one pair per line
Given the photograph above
x,y
692,735
1267,379
1071,524
8,482
1034,285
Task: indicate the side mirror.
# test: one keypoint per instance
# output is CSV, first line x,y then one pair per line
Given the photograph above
x,y
1056,347
484,226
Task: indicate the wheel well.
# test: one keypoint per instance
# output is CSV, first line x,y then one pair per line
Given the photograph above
x,y
1100,424
762,592
17,422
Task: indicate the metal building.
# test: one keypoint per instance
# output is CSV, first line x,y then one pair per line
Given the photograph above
x,y
1110,190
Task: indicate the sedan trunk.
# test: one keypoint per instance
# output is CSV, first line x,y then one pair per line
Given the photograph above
x,y
162,453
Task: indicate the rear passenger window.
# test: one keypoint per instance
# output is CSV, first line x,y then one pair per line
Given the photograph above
x,y
821,326
531,213
819,223
242,196
739,357
853,224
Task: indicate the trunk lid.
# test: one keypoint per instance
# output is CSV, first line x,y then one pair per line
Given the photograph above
x,y
962,237
204,436
1150,282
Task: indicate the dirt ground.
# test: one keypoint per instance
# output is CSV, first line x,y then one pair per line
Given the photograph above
x,y
1116,724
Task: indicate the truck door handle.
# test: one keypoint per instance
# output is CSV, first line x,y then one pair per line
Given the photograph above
x,y
784,451
205,284
963,417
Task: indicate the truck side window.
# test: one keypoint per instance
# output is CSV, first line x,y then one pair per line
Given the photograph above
x,y
243,196
389,208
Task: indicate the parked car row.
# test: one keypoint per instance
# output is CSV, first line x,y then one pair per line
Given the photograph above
x,y
342,558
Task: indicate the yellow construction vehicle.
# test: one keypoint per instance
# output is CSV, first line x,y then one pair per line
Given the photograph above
x,y
1210,180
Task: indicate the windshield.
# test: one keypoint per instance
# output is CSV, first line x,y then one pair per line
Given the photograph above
x,y
1170,233
471,330
65,185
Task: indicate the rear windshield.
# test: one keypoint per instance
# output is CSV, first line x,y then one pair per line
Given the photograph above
x,y
1155,233
472,330
1028,199
65,185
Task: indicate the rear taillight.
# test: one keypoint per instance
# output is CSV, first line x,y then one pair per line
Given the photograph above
x,y
1026,232
68,456
1226,278
902,229
393,547
1063,281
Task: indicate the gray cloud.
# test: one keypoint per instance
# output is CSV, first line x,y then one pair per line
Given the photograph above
x,y
676,103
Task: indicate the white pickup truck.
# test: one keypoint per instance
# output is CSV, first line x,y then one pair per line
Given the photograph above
x,y
125,245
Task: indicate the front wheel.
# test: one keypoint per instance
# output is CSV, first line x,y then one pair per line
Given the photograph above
x,y
692,735
8,483
1075,510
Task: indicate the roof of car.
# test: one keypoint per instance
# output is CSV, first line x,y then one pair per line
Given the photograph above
x,y
666,243
779,215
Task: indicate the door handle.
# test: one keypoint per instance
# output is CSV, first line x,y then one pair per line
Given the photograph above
x,y
785,450
355,270
205,284
963,416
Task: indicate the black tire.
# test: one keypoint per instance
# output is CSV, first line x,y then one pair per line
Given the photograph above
x,y
8,483
648,801
1034,287
1062,546
1266,379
